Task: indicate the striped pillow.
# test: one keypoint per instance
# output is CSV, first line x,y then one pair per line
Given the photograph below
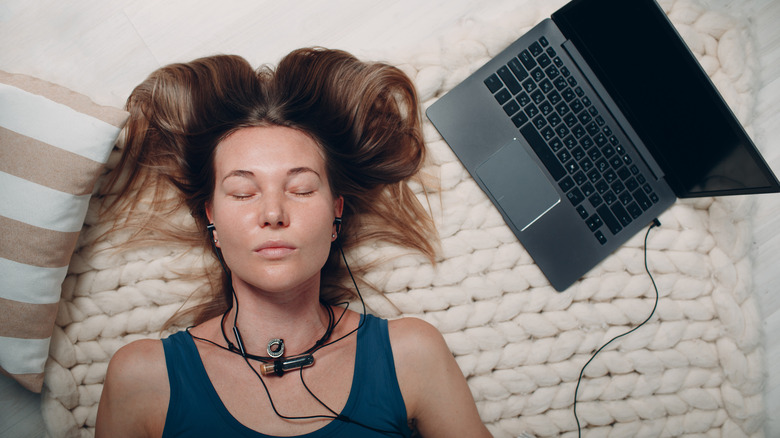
x,y
54,144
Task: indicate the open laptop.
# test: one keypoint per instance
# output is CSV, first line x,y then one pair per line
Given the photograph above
x,y
592,124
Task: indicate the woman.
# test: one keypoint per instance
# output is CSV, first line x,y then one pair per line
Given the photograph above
x,y
281,169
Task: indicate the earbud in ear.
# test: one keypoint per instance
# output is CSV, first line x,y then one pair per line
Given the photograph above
x,y
211,229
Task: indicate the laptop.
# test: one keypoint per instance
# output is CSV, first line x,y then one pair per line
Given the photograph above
x,y
588,127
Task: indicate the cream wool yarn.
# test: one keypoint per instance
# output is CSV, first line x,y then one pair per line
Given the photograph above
x,y
695,369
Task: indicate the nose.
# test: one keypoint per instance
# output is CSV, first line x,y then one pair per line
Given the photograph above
x,y
274,214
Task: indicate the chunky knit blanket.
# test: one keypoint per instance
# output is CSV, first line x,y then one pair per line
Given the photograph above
x,y
695,369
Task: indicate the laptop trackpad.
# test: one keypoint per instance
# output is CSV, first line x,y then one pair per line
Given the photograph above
x,y
515,181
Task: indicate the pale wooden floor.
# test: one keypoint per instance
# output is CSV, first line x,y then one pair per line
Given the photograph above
x,y
83,44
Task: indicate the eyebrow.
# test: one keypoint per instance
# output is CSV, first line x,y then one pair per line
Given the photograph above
x,y
249,174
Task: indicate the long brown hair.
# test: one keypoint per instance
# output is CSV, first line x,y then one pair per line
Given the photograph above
x,y
365,117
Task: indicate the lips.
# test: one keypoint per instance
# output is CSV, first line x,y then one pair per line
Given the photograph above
x,y
275,249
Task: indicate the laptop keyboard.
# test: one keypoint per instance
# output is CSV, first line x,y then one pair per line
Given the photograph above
x,y
575,143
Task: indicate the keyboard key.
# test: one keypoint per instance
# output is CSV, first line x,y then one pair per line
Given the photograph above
x,y
634,210
566,184
511,108
594,222
529,85
552,72
539,122
595,200
625,198
653,197
493,83
503,96
537,74
578,153
617,186
621,214
561,84
509,79
580,178
587,142
586,164
543,41
532,110
543,152
609,198
588,189
602,239
582,212
547,133
575,196
562,130
517,68
642,199
579,131
538,97
556,144
602,186
571,166
536,49
527,59
519,119
523,98
609,219
576,106
624,173
563,156
632,184
546,86
544,60
555,98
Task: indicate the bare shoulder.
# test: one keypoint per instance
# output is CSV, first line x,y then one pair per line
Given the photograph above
x,y
415,339
136,391
432,384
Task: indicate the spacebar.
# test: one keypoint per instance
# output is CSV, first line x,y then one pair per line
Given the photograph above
x,y
543,151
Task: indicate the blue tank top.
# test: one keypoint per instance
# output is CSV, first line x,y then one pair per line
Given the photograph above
x,y
195,409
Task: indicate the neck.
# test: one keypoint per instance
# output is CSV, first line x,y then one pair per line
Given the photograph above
x,y
297,318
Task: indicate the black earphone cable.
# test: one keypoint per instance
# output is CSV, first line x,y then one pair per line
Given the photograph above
x,y
321,343
654,224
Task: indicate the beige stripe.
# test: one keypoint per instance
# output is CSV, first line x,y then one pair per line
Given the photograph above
x,y
25,320
31,382
59,94
24,243
47,165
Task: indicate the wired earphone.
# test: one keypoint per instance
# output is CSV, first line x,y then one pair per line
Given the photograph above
x,y
275,363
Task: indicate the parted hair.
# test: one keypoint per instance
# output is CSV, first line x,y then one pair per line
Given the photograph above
x,y
364,115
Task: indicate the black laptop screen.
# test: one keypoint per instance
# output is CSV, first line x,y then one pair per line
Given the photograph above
x,y
666,96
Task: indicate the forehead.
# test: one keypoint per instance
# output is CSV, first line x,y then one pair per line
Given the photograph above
x,y
268,148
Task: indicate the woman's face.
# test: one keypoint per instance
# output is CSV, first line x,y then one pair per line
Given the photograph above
x,y
272,208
